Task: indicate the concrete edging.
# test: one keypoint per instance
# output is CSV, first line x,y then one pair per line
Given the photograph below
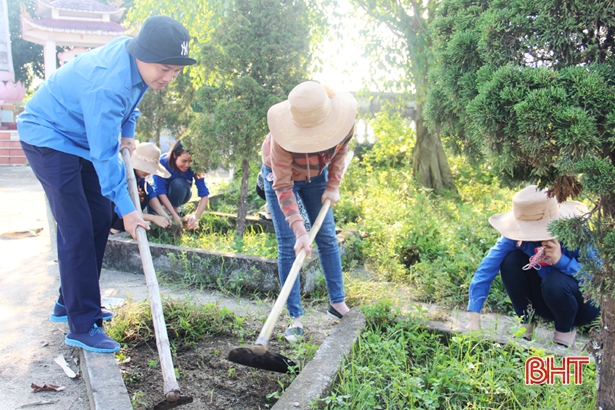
x,y
251,273
315,380
103,380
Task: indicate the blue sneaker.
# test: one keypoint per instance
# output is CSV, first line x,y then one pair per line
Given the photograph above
x,y
59,314
95,340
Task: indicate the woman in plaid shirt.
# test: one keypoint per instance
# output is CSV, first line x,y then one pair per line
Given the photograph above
x,y
303,155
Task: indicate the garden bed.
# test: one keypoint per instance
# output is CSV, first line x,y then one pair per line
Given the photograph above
x,y
201,337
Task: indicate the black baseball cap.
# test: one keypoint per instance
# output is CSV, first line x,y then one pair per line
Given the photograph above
x,y
162,40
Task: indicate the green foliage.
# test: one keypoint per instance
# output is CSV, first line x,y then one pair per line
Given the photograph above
x,y
187,322
411,236
28,61
167,110
216,233
196,15
408,50
531,85
397,363
258,52
395,140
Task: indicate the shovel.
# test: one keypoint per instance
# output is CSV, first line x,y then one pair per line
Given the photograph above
x,y
258,355
173,398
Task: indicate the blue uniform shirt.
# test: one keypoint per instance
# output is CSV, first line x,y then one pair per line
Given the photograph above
x,y
490,266
161,184
81,110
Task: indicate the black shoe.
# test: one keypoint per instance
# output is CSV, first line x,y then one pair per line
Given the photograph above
x,y
334,313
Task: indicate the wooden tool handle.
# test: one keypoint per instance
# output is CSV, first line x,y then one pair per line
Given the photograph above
x,y
171,388
265,334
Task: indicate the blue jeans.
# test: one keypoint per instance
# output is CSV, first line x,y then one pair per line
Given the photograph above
x,y
179,191
556,298
326,240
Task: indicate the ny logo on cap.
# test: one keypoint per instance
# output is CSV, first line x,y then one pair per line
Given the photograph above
x,y
185,48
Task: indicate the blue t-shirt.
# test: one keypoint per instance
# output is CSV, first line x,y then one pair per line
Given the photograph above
x,y
162,184
490,267
81,110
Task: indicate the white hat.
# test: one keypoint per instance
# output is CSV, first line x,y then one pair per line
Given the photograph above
x,y
146,158
314,118
532,212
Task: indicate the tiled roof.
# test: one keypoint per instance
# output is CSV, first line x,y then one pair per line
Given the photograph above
x,y
80,5
74,25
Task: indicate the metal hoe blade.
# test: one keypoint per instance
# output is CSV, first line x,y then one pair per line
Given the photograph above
x,y
269,361
165,404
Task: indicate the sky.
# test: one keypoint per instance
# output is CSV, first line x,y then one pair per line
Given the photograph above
x,y
344,65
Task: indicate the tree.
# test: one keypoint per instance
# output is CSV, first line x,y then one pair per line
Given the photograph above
x,y
196,15
28,59
531,84
166,110
259,51
409,21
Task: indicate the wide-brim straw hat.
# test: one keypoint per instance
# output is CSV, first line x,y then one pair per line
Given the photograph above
x,y
532,213
314,118
146,158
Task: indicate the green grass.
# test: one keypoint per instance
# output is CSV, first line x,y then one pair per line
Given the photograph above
x,y
187,322
400,364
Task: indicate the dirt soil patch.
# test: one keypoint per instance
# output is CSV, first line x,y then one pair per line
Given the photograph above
x,y
212,381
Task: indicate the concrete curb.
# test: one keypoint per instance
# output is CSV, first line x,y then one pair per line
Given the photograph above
x,y
103,380
316,379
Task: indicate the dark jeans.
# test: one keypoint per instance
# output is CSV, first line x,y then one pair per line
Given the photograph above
x,y
83,216
179,192
556,298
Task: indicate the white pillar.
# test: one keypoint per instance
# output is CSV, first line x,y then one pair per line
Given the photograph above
x,y
50,57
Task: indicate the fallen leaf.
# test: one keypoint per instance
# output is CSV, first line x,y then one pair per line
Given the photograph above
x,y
62,363
46,387
38,403
126,360
21,234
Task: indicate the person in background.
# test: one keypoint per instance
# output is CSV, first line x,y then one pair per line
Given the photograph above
x,y
145,161
176,190
540,274
70,132
303,155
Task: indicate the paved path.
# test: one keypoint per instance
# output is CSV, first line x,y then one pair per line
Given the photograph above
x,y
29,283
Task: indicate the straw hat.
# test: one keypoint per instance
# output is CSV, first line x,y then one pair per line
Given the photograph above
x,y
146,158
532,212
313,118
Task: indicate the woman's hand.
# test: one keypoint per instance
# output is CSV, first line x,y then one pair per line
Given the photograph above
x,y
131,221
333,195
161,221
303,242
177,219
191,222
553,250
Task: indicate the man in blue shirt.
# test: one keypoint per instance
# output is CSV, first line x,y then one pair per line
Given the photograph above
x,y
70,131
